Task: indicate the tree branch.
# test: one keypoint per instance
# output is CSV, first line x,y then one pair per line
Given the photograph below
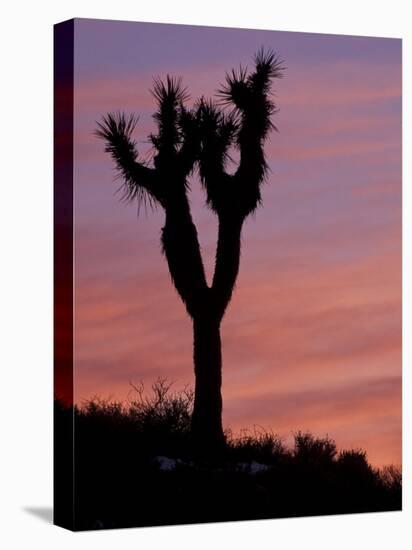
x,y
190,139
227,262
218,130
140,181
182,250
250,94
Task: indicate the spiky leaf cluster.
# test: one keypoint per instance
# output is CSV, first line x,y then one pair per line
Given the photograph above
x,y
244,128
116,130
203,135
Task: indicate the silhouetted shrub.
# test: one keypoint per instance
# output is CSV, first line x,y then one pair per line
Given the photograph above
x,y
162,409
315,451
354,462
134,466
391,477
262,446
158,421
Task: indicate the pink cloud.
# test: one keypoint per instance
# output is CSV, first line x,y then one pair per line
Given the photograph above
x,y
312,336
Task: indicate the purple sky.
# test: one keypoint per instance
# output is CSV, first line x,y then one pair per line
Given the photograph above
x,y
312,338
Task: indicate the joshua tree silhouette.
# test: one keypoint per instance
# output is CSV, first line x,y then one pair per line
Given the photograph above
x,y
202,137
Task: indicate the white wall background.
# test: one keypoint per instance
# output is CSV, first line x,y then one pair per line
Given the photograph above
x,y
26,273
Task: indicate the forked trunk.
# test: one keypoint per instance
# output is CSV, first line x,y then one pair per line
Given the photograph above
x,y
206,306
207,431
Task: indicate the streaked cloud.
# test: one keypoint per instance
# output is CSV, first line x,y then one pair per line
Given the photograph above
x,y
312,338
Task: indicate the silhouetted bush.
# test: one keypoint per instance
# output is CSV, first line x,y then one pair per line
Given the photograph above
x,y
261,446
355,464
134,467
391,476
314,451
163,410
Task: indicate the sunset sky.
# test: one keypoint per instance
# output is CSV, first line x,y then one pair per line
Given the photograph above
x,y
312,337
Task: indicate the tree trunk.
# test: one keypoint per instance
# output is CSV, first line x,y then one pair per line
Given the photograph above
x,y
207,431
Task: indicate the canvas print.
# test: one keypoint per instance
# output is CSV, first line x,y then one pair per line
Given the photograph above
x,y
227,217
